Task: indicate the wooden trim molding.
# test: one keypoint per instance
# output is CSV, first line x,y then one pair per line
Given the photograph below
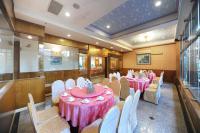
x,y
191,108
25,27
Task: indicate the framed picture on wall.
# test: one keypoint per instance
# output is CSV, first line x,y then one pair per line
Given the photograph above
x,y
143,59
56,60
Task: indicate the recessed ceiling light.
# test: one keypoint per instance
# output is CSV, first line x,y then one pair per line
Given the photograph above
x,y
97,42
29,37
68,35
0,40
108,26
111,47
67,14
158,3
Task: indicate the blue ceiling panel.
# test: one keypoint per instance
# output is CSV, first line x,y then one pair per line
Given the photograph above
x,y
134,13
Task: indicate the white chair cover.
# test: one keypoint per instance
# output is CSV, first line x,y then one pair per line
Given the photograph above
x,y
118,76
129,74
81,82
110,77
133,112
110,121
115,74
56,88
70,83
124,125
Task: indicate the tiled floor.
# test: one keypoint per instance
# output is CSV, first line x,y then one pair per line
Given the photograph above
x,y
167,117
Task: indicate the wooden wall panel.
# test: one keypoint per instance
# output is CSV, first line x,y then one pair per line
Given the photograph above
x,y
62,41
25,27
7,98
22,87
191,108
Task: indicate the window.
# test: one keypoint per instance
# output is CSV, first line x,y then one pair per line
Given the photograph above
x,y
6,50
57,57
190,56
29,55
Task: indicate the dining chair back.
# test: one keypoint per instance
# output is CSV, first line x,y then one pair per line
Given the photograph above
x,y
116,87
114,78
30,97
56,88
110,77
70,83
118,76
124,125
133,112
125,88
81,82
33,114
110,121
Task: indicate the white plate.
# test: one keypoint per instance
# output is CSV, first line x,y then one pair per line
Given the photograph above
x,y
100,98
106,87
85,101
108,92
70,99
65,94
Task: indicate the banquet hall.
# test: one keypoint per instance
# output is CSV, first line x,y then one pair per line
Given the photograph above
x,y
99,66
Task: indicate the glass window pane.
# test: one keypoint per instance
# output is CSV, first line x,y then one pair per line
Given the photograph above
x,y
58,57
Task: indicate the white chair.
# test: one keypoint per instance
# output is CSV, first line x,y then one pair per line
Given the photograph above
x,y
46,114
116,87
115,74
107,125
110,77
81,82
133,113
124,125
125,89
118,76
152,94
52,125
56,89
70,83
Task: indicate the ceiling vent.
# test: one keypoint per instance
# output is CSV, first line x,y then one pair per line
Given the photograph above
x,y
55,7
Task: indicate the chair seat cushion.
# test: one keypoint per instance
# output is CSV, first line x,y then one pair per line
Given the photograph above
x,y
46,114
54,125
93,128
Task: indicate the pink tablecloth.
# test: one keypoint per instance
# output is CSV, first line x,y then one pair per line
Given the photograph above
x,y
81,114
137,83
151,76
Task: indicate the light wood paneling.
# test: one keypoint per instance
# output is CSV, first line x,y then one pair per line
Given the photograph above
x,y
15,93
25,27
191,108
35,86
162,58
62,41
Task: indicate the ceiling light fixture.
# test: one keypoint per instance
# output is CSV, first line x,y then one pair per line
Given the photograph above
x,y
158,3
67,14
68,35
29,37
108,26
111,47
97,42
0,40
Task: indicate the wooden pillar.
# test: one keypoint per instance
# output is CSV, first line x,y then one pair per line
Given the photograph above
x,y
16,59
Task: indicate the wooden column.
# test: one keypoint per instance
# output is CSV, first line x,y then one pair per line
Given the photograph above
x,y
16,59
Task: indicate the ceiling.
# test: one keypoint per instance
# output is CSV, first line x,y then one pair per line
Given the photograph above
x,y
88,23
133,13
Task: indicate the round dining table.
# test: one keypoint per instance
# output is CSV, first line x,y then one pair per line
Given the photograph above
x,y
82,108
139,83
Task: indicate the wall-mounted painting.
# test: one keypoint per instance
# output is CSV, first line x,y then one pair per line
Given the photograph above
x,y
56,60
143,59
